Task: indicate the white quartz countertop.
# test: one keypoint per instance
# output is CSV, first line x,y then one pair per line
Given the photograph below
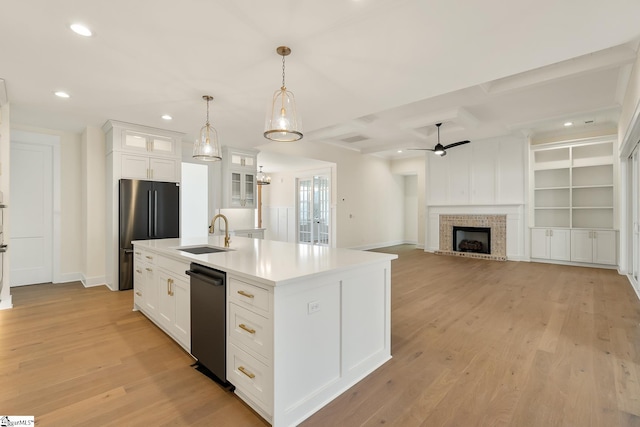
x,y
267,261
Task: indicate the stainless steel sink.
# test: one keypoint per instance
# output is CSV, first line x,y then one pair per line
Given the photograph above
x,y
198,250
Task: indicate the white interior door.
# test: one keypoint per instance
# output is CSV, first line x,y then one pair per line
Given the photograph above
x,y
314,210
31,189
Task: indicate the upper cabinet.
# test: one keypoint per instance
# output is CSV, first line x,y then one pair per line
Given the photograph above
x,y
140,152
573,184
239,178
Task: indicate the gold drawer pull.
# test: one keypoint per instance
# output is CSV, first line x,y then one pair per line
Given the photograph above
x,y
247,373
139,294
138,253
246,328
138,271
149,269
245,294
148,256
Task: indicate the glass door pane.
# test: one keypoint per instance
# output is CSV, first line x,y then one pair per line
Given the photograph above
x,y
321,209
305,207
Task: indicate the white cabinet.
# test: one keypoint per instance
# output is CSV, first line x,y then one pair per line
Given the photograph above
x,y
594,246
162,293
239,178
293,347
257,233
573,186
552,244
250,343
145,291
140,142
149,168
174,306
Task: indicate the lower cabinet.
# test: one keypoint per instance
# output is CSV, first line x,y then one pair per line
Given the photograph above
x,y
594,246
551,243
162,293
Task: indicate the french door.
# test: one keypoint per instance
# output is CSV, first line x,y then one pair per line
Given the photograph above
x,y
314,210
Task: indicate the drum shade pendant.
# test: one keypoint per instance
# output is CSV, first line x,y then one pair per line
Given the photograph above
x,y
207,147
283,123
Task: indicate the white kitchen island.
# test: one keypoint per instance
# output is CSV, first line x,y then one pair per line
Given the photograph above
x,y
304,323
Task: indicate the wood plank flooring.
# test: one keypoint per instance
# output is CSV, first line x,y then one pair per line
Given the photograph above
x,y
474,343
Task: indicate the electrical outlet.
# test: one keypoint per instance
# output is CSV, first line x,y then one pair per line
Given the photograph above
x,y
313,307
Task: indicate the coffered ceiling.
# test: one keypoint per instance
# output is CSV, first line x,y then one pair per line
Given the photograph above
x,y
369,75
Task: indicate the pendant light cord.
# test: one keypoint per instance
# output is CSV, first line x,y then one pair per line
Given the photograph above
x,y
283,86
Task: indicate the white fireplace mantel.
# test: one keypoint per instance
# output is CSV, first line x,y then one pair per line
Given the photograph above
x,y
516,222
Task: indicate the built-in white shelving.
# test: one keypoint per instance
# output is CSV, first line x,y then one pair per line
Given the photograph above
x,y
573,187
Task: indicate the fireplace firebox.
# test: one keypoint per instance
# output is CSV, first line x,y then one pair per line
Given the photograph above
x,y
472,239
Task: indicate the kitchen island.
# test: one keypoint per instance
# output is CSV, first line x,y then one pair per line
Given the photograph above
x,y
304,323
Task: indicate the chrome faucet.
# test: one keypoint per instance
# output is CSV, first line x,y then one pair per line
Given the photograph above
x,y
212,228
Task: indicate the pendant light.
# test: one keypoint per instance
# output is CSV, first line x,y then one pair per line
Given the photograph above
x,y
283,123
262,178
207,147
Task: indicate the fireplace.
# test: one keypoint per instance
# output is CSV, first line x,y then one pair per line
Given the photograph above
x,y
484,236
471,239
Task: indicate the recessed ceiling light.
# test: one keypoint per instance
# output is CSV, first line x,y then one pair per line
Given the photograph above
x,y
81,30
167,117
399,151
567,124
61,94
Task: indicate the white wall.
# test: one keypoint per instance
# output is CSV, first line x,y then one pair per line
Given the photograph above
x,y
93,201
411,209
5,168
369,197
485,177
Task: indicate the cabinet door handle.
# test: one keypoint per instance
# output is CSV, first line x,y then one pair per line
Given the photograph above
x,y
149,269
245,294
246,328
139,294
247,373
138,271
148,256
170,284
138,253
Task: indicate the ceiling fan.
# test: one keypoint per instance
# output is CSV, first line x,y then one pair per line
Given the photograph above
x,y
439,149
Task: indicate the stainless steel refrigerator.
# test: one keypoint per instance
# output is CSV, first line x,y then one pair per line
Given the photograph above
x,y
148,210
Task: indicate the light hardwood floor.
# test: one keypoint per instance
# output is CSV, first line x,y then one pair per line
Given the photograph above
x,y
474,343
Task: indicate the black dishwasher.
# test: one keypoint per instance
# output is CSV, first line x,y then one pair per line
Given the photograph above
x,y
209,320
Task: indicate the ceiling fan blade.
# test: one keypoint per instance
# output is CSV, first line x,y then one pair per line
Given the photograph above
x,y
421,149
455,144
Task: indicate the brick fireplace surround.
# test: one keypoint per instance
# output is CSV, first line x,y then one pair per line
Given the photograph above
x,y
497,224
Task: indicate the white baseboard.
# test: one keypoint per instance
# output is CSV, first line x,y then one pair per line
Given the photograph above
x,y
68,277
382,245
6,303
89,282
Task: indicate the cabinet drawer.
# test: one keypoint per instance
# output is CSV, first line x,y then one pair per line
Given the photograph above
x,y
175,267
251,331
250,377
249,296
144,256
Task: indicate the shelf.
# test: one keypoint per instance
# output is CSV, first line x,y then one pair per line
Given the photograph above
x,y
552,198
573,185
592,175
552,217
552,178
592,218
